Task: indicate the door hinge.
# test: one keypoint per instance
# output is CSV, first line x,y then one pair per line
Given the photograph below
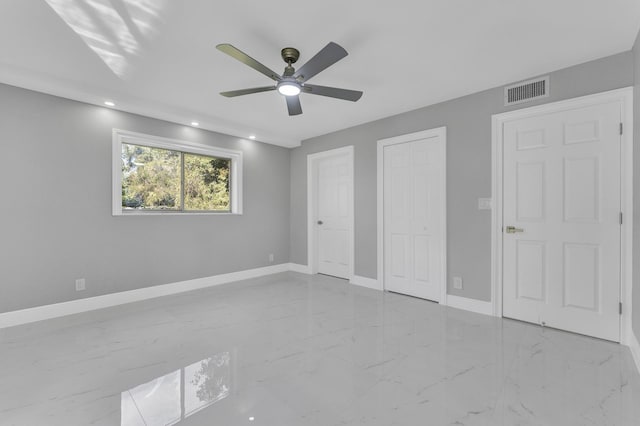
x,y
620,218
621,128
620,307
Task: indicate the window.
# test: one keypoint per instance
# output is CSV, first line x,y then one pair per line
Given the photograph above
x,y
153,175
163,179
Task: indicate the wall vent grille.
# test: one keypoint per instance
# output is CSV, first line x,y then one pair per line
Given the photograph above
x,y
526,91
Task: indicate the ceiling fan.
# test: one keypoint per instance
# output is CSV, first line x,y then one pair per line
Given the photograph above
x,y
291,83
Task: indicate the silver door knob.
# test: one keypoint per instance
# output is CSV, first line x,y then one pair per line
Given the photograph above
x,y
320,222
513,230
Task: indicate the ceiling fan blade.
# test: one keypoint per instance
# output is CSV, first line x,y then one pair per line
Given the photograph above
x,y
248,60
332,92
293,104
326,57
234,93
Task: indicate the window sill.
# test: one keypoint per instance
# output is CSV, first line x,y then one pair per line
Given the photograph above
x,y
147,213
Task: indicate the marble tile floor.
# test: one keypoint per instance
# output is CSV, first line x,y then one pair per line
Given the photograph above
x,y
297,350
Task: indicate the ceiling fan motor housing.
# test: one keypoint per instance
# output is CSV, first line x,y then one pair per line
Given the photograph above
x,y
290,55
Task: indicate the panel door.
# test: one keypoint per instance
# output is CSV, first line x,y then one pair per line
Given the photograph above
x,y
333,223
562,189
413,200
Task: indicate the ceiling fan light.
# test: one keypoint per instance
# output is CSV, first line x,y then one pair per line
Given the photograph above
x,y
289,89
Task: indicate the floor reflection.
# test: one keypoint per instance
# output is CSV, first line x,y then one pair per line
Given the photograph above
x,y
169,399
116,30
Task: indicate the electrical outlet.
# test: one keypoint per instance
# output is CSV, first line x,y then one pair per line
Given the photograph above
x,y
457,283
80,284
271,258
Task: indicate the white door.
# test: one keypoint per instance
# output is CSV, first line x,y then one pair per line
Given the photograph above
x,y
414,200
333,217
561,263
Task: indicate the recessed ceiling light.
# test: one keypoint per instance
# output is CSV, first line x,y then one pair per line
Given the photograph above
x,y
109,103
251,418
195,123
252,137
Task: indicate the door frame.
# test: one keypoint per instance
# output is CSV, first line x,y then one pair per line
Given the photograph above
x,y
312,181
382,143
625,97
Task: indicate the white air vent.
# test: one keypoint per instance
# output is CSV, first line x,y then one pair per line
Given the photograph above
x,y
526,91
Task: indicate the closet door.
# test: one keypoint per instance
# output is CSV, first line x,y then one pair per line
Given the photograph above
x,y
414,217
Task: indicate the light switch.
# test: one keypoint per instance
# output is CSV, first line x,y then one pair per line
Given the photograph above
x,y
484,203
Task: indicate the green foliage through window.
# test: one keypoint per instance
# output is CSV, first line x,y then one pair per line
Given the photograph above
x,y
165,180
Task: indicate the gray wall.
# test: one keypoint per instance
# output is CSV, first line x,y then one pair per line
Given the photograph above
x,y
56,222
56,216
636,185
468,122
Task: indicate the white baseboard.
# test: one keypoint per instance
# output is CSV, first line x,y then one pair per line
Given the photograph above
x,y
296,267
39,313
365,282
634,346
467,304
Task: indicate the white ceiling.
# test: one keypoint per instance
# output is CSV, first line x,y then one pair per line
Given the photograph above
x,y
158,57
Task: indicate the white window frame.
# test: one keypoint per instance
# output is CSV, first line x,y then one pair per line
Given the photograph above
x,y
127,137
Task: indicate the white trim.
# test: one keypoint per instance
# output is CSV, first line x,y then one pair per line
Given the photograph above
x,y
302,269
626,231
312,259
496,216
634,347
39,313
471,305
366,282
382,143
625,97
124,136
